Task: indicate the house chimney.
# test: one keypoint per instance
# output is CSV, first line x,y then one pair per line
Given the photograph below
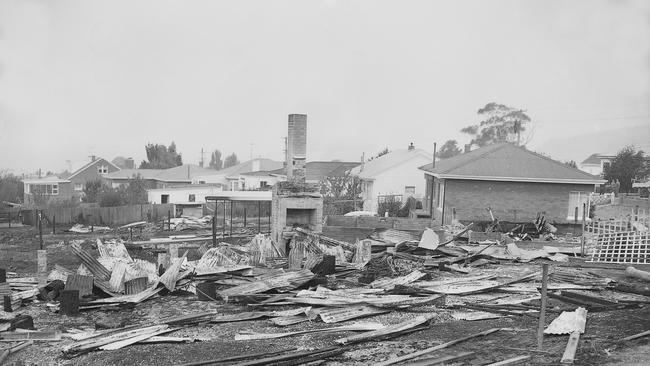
x,y
93,158
468,148
129,163
297,147
411,146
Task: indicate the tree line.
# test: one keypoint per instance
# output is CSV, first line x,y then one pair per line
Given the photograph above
x,y
160,156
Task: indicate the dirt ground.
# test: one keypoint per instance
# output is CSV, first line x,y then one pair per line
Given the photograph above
x,y
600,345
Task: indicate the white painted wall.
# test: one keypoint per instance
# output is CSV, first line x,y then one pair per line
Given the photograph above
x,y
591,169
181,194
254,181
395,179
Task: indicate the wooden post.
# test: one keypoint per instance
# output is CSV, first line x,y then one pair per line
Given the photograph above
x,y
575,220
169,220
10,219
542,311
173,251
40,228
584,222
41,258
214,225
53,224
131,233
231,210
244,215
259,217
224,219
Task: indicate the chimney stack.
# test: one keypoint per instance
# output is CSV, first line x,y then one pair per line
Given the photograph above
x,y
411,146
129,163
297,147
93,158
468,148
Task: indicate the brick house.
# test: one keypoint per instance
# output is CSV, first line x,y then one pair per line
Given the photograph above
x,y
96,169
514,182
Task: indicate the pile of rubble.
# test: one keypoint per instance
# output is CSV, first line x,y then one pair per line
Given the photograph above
x,y
321,280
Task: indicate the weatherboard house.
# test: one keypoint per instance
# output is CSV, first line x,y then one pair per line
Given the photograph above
x,y
515,183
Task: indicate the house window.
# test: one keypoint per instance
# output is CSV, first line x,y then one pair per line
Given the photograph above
x,y
409,190
201,182
264,184
78,187
102,169
164,198
192,198
44,189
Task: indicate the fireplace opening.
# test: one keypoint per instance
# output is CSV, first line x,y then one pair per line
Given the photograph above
x,y
301,217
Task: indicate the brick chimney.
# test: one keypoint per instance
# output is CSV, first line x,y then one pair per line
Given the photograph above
x,y
129,163
297,147
411,146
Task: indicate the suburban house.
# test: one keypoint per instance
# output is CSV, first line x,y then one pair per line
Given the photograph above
x,y
515,183
96,169
189,194
393,175
55,188
48,189
596,164
158,178
236,178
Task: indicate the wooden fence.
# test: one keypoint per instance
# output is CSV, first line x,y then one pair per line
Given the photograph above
x,y
399,223
109,216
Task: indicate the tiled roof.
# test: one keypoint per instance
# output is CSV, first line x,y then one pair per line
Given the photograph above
x,y
91,163
319,170
182,173
175,174
129,173
378,165
594,159
506,161
265,165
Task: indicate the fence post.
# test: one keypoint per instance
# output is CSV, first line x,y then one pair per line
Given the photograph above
x,y
259,217
10,219
575,220
584,221
214,226
169,220
40,228
53,224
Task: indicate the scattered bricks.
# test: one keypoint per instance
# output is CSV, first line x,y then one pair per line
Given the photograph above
x,y
207,291
82,284
3,275
326,267
69,303
136,285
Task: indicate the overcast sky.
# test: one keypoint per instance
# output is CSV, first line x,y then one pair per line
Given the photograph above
x,y
106,77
